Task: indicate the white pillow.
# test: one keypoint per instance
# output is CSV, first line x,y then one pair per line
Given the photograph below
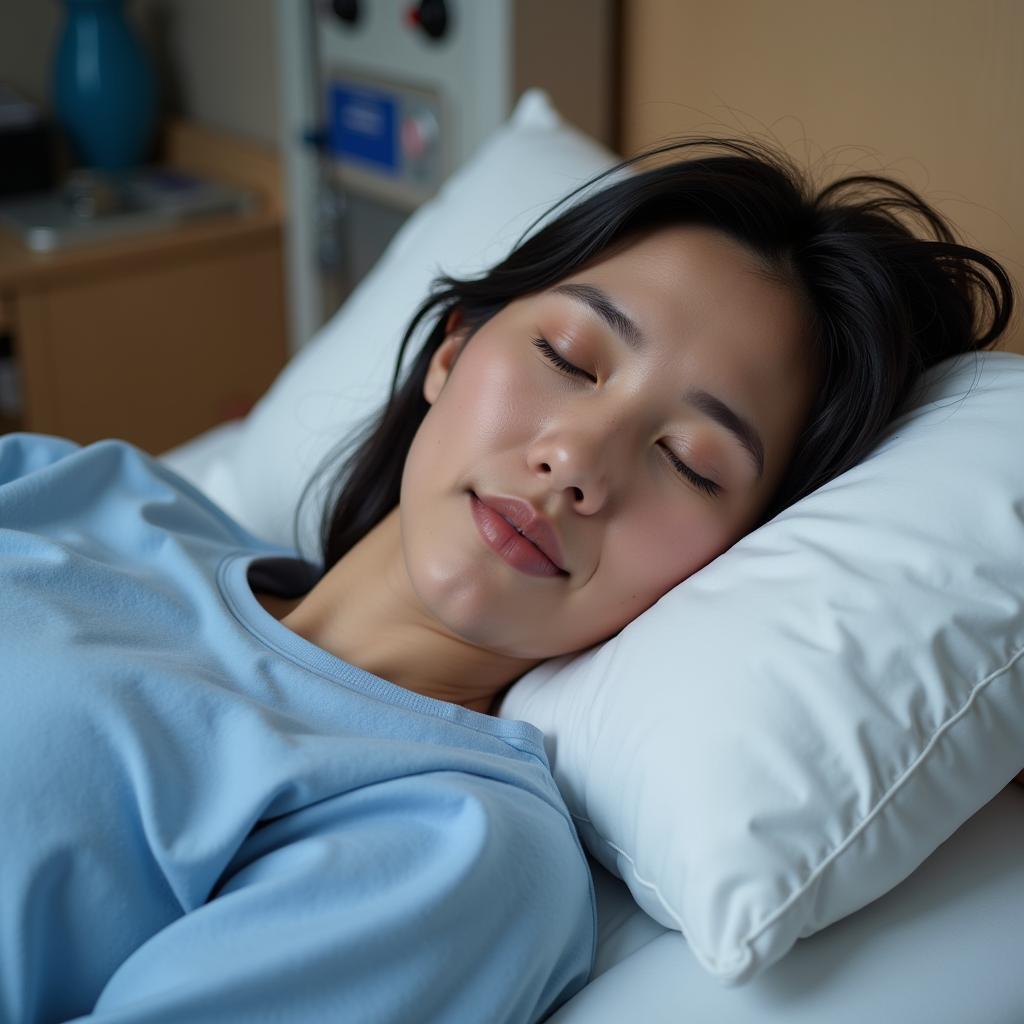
x,y
344,374
792,730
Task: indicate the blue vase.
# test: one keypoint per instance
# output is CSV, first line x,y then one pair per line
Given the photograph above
x,y
105,93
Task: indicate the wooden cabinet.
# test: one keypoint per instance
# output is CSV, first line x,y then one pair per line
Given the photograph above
x,y
156,338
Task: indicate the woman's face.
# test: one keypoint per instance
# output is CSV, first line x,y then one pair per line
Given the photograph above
x,y
598,452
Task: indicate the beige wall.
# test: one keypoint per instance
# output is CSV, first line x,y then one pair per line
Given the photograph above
x,y
930,92
28,36
217,58
220,60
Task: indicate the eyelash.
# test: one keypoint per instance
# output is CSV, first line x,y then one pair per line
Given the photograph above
x,y
708,486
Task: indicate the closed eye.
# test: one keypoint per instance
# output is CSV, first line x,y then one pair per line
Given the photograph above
x,y
708,486
563,364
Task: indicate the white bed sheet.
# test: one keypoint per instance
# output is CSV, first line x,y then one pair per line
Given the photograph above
x,y
206,462
946,946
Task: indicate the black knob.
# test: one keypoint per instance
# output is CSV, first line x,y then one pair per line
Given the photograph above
x,y
346,10
431,16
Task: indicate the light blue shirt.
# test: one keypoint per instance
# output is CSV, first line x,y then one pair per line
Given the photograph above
x,y
206,817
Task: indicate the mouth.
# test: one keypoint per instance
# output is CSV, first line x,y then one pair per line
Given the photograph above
x,y
516,542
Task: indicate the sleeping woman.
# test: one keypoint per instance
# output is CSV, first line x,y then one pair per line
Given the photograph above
x,y
240,785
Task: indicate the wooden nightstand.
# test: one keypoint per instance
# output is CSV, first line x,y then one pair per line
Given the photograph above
x,y
159,337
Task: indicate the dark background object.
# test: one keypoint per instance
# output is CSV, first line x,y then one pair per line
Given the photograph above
x,y
27,145
346,10
26,159
431,16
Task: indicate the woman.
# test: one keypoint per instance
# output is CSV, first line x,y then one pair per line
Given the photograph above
x,y
221,813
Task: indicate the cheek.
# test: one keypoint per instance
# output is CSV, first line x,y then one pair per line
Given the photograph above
x,y
486,387
483,399
496,397
660,549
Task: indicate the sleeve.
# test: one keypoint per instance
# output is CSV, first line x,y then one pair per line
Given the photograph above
x,y
465,902
22,453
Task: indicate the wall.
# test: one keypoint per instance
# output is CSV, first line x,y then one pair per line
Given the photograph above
x,y
930,92
220,59
28,36
217,58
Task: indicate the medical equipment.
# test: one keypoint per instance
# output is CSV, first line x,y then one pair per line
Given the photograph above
x,y
383,99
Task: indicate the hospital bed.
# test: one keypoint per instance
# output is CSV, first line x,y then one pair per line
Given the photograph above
x,y
944,946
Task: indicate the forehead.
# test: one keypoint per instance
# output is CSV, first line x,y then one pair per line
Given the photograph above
x,y
698,278
701,297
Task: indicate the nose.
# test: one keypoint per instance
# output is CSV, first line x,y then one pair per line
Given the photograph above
x,y
576,459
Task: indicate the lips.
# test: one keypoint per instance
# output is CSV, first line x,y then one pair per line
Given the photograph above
x,y
534,525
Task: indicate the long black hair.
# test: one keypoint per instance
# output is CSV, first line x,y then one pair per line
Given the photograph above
x,y
885,305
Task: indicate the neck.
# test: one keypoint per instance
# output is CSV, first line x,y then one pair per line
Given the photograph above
x,y
364,611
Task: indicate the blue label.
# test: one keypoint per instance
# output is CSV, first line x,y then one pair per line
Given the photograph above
x,y
362,126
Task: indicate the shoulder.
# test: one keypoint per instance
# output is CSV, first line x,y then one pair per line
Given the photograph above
x,y
485,830
22,453
526,844
534,887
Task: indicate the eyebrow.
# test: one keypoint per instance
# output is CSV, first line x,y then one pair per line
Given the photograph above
x,y
629,331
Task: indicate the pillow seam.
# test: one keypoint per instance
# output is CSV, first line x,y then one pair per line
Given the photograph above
x,y
732,965
886,797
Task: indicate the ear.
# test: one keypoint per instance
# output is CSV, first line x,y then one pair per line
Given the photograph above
x,y
443,360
